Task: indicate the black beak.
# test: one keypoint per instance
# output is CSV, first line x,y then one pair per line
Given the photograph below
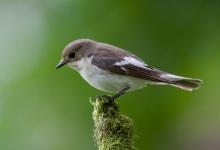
x,y
61,64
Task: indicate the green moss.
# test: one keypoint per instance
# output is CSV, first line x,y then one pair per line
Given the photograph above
x,y
113,130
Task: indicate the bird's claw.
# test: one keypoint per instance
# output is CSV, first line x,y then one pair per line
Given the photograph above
x,y
105,97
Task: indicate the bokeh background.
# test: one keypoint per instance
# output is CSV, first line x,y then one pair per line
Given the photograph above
x,y
46,109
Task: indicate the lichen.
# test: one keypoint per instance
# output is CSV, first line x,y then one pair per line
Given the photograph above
x,y
113,130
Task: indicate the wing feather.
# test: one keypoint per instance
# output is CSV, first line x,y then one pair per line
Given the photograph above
x,y
123,66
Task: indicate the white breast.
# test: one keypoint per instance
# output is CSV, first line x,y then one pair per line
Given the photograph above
x,y
105,81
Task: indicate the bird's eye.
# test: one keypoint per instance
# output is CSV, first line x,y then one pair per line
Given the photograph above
x,y
72,55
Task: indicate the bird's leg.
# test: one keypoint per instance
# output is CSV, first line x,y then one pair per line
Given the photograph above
x,y
117,95
120,93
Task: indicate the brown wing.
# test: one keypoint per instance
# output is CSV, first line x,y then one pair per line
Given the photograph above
x,y
108,63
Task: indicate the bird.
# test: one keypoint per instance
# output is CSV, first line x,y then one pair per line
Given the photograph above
x,y
115,70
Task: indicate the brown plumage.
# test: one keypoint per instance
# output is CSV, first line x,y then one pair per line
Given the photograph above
x,y
100,62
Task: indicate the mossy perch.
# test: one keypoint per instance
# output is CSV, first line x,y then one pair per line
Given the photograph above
x,y
113,130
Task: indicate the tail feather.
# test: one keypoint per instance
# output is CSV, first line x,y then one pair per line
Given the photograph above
x,y
187,84
184,83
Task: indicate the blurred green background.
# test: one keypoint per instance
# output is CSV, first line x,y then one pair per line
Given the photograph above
x,y
46,109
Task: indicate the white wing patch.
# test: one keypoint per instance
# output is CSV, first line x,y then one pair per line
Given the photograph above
x,y
131,60
121,63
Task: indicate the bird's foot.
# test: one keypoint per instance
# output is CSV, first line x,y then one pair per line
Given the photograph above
x,y
113,97
105,97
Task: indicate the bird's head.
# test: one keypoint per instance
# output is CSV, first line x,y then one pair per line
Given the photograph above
x,y
75,51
